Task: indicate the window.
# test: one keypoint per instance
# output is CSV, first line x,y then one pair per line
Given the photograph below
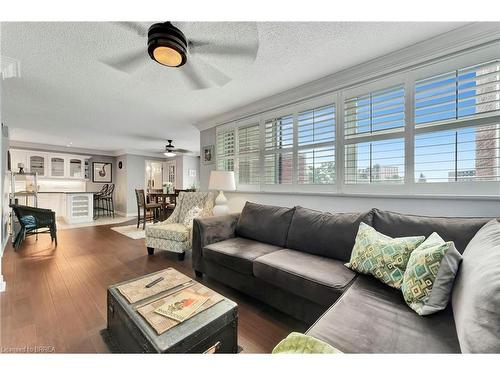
x,y
458,94
316,146
430,130
452,144
225,150
248,155
375,112
368,159
375,162
466,154
278,143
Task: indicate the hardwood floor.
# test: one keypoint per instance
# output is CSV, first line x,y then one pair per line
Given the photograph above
x,y
57,297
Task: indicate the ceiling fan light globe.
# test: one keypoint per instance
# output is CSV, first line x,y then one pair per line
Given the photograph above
x,y
169,154
167,56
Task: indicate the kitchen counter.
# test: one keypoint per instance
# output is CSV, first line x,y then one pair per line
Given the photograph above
x,y
73,206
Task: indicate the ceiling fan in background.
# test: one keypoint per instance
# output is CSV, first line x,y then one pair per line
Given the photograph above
x,y
170,47
171,150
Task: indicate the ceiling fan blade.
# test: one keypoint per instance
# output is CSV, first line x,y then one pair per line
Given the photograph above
x,y
214,74
208,48
192,76
134,27
181,150
129,61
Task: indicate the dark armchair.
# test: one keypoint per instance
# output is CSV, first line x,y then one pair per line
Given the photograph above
x,y
32,220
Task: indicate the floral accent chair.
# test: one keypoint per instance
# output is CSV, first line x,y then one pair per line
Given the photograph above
x,y
175,233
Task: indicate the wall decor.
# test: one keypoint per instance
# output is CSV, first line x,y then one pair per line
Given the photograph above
x,y
120,164
208,154
192,172
102,172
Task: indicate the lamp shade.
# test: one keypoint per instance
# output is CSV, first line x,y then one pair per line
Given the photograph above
x,y
222,180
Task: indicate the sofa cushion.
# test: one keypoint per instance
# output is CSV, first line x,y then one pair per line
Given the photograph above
x,y
458,230
263,223
327,234
371,317
237,253
319,279
170,231
476,294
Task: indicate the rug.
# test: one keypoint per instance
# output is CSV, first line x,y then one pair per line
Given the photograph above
x,y
131,231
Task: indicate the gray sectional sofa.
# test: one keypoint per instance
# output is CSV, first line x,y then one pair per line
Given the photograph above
x,y
293,259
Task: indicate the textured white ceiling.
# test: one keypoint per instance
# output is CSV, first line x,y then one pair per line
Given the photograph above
x,y
67,94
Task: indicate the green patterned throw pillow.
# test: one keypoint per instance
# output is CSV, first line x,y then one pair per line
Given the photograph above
x,y
429,276
298,343
382,256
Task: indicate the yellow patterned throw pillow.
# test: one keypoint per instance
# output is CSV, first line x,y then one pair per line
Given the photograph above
x,y
382,256
429,275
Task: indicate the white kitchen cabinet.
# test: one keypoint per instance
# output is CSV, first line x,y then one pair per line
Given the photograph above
x,y
37,162
57,166
51,165
76,167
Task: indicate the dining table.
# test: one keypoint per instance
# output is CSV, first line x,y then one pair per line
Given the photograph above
x,y
166,200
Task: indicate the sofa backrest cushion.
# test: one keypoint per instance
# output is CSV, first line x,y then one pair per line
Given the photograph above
x,y
330,235
268,224
458,230
476,293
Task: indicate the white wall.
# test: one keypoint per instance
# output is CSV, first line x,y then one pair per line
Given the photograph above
x,y
121,185
92,186
132,176
190,163
207,137
4,197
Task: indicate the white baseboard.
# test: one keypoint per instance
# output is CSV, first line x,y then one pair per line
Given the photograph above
x,y
2,282
128,214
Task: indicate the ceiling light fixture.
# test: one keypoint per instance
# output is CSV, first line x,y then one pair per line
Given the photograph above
x,y
169,154
167,45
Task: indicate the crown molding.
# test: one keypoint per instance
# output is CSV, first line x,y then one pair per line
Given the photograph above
x,y
55,148
87,151
455,41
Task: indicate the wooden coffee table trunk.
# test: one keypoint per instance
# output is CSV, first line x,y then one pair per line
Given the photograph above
x,y
214,330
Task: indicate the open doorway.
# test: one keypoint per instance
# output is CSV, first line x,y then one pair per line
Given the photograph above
x,y
154,174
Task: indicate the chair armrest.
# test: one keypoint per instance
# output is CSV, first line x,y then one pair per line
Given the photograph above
x,y
209,230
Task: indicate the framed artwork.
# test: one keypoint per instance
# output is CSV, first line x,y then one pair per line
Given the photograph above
x,y
208,154
102,172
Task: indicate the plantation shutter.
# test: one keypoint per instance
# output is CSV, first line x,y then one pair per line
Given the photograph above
x,y
248,155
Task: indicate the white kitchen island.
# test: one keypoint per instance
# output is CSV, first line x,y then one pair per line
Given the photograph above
x,y
72,207
79,208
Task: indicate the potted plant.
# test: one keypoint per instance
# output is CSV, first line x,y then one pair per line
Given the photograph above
x,y
168,187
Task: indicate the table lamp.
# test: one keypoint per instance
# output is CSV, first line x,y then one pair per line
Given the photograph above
x,y
221,181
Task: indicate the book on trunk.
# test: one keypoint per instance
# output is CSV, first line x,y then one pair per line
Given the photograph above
x,y
181,306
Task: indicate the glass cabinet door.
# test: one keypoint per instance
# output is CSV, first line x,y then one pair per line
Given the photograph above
x,y
37,165
75,168
57,167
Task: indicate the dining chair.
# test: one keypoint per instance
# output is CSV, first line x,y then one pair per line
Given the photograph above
x,y
149,210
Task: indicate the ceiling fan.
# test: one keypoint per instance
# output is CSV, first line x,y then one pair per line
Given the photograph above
x,y
170,47
171,150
